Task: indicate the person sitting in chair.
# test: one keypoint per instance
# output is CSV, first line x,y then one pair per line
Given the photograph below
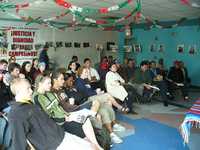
x,y
142,81
177,77
115,87
30,122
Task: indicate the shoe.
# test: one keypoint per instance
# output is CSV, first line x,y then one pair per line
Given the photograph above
x,y
169,96
165,104
134,113
118,127
115,139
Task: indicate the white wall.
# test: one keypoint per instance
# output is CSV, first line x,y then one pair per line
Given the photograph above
x,y
63,55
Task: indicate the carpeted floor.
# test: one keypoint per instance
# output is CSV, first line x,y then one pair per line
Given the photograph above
x,y
150,135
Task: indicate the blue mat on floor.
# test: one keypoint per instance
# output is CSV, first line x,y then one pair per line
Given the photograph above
x,y
150,135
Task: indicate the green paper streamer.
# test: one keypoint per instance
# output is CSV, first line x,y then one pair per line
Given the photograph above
x,y
89,11
123,4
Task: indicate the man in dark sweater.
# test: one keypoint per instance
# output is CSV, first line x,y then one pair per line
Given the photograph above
x,y
142,81
29,122
5,93
43,57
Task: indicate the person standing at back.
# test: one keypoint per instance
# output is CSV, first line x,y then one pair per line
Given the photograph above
x,y
43,57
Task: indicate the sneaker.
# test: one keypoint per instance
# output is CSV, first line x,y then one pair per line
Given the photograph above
x,y
115,139
118,127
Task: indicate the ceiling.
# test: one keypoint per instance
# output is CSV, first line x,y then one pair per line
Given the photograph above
x,y
161,10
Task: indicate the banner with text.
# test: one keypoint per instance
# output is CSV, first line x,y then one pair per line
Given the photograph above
x,y
19,43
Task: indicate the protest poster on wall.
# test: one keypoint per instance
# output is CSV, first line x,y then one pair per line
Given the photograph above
x,y
20,43
3,44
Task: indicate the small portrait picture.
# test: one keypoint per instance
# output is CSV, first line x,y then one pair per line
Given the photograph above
x,y
161,48
86,44
68,44
128,48
192,49
59,44
152,47
49,44
3,40
39,46
137,48
180,48
110,46
99,47
77,45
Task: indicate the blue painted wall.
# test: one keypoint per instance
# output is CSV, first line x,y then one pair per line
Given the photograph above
x,y
170,38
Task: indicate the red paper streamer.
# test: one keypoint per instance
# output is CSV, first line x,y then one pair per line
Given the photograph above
x,y
21,6
63,3
103,10
129,1
185,2
101,22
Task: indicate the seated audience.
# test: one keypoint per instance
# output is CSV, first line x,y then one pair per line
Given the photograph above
x,y
49,102
12,59
93,75
72,68
185,73
142,82
103,68
110,60
3,66
114,86
130,69
75,59
159,81
121,69
39,72
34,67
177,78
29,122
13,72
106,103
71,91
26,70
43,56
5,96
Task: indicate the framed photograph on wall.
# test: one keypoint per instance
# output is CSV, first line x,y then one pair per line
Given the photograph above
x,y
99,47
77,45
68,44
180,48
86,44
192,49
137,48
152,47
50,44
59,44
161,48
128,48
39,46
110,45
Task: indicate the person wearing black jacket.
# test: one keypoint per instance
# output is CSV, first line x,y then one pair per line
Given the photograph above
x,y
29,122
5,95
43,57
176,77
